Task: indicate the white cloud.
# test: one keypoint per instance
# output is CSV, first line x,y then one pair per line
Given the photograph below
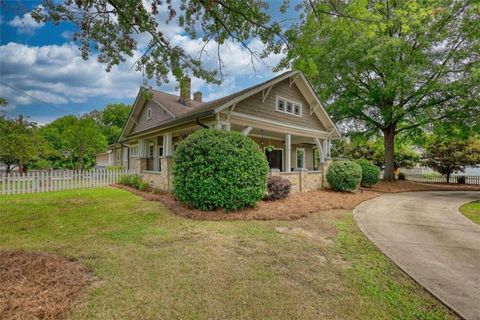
x,y
25,24
67,35
58,75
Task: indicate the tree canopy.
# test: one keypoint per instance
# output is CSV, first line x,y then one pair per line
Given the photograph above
x,y
392,66
449,155
112,28
20,143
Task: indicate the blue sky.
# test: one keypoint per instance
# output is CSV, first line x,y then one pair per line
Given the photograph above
x,y
42,61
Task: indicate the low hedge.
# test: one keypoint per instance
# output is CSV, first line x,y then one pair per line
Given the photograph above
x,y
370,172
219,169
344,175
134,181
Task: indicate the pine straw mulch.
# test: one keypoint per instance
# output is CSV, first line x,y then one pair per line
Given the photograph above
x,y
405,186
298,205
38,285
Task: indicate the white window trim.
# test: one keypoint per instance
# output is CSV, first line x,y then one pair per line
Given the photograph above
x,y
132,148
149,113
118,155
296,158
282,169
285,106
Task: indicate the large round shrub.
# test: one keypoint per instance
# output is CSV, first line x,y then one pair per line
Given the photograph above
x,y
344,175
370,172
219,169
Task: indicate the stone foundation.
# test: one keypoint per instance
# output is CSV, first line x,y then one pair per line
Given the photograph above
x,y
163,179
302,181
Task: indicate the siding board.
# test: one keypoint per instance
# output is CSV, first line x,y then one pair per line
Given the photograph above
x,y
158,115
254,106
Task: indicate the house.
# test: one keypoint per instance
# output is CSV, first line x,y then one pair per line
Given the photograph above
x,y
283,115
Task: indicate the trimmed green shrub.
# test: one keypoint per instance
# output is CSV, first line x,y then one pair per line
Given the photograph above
x,y
278,188
134,181
401,176
344,175
219,169
370,172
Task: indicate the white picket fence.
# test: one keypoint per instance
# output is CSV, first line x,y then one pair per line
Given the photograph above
x,y
45,181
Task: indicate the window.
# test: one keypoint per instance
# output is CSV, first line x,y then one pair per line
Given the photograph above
x,y
160,151
134,150
119,155
296,110
290,107
151,151
149,113
300,158
281,105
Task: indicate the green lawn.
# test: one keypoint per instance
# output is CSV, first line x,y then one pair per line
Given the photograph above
x,y
472,211
150,264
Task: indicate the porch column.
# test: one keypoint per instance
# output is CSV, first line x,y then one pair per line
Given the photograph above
x,y
329,148
155,155
321,150
168,144
142,149
288,152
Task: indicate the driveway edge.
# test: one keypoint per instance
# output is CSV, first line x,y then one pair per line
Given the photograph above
x,y
367,234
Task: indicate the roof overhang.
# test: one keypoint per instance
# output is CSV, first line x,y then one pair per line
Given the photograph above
x,y
307,91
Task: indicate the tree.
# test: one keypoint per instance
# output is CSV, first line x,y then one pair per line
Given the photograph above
x,y
391,66
19,143
111,28
83,140
358,147
451,155
74,141
54,134
112,119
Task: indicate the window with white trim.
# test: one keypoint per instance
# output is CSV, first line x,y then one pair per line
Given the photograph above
x,y
289,106
119,155
149,113
301,158
134,150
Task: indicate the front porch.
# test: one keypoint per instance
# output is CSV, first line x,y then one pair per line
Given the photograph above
x,y
299,158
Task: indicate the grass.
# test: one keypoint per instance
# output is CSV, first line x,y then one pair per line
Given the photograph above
x,y
471,211
150,264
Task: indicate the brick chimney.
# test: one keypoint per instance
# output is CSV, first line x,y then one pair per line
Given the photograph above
x,y
197,96
185,85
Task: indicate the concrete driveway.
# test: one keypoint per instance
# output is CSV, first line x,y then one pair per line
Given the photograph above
x,y
426,236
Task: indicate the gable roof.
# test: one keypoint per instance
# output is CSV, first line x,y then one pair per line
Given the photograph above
x,y
180,113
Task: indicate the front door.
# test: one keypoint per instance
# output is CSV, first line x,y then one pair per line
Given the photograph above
x,y
274,159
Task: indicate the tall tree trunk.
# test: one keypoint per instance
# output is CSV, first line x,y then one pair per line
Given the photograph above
x,y
448,177
389,144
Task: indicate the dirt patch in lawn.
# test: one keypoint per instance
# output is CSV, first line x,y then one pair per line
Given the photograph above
x,y
405,186
298,205
38,285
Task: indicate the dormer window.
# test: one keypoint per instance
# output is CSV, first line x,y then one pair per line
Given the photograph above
x,y
149,113
289,106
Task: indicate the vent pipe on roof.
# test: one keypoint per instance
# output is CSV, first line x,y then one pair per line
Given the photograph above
x,y
185,85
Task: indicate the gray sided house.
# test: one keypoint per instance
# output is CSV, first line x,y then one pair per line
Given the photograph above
x,y
283,115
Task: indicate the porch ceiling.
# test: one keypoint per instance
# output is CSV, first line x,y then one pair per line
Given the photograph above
x,y
257,132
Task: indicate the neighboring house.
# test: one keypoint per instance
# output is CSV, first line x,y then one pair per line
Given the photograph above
x,y
283,115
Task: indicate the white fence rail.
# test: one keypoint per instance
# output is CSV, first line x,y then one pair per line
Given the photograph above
x,y
45,181
439,178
